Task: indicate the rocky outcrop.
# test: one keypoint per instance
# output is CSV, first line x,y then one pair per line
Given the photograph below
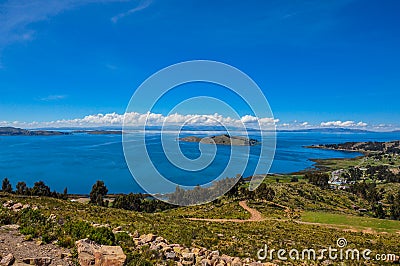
x,y
16,206
180,255
90,253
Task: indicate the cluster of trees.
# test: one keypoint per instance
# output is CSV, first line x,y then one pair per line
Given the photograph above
x,y
140,203
367,191
379,172
374,196
394,209
354,174
205,194
39,189
382,172
318,179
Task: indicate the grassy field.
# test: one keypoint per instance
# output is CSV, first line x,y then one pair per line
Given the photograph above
x,y
351,221
335,164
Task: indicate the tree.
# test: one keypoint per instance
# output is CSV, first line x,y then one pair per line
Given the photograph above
x,y
40,189
22,189
318,179
395,208
65,193
6,186
99,190
234,191
379,212
265,193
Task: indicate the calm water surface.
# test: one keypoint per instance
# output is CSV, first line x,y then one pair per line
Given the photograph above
x,y
77,161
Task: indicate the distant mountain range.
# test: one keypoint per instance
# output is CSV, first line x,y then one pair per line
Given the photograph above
x,y
329,130
12,131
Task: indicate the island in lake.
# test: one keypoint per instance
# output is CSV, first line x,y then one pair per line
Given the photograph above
x,y
224,139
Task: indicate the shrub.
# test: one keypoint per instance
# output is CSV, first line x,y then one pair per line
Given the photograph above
x,y
6,217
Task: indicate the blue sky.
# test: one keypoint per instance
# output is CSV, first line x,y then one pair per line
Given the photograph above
x,y
319,63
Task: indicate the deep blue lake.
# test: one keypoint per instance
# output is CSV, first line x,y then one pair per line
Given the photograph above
x,y
77,161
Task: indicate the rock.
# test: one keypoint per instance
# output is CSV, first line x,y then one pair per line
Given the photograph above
x,y
170,255
214,253
177,250
236,262
7,204
195,251
147,238
17,207
205,262
160,239
90,253
7,260
118,228
135,234
188,256
11,227
227,259
43,261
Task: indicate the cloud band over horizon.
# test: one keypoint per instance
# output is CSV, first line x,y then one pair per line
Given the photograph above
x,y
154,119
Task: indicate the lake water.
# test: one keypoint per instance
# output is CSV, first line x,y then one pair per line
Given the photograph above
x,y
77,161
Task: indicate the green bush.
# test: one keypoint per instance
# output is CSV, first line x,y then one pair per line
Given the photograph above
x,y
102,235
6,217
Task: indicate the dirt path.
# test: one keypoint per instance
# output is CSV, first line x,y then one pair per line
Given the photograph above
x,y
255,216
12,241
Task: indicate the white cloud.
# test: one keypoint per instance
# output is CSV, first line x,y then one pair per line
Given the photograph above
x,y
50,98
343,124
141,6
136,119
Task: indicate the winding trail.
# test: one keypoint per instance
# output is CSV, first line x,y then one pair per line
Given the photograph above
x,y
255,216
